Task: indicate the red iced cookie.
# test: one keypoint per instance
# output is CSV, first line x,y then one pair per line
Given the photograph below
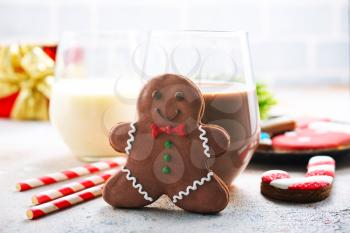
x,y
316,136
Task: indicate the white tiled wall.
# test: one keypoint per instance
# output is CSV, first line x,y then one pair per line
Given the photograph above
x,y
291,41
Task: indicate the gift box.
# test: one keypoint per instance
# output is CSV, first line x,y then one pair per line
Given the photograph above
x,y
26,76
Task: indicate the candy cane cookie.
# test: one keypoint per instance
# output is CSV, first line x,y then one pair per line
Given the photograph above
x,y
315,186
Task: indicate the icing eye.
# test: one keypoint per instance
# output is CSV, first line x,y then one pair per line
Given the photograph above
x,y
156,95
179,95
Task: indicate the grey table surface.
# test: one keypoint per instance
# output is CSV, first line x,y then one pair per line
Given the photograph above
x,y
30,149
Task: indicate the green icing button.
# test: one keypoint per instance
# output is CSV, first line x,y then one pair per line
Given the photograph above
x,y
168,144
166,170
166,157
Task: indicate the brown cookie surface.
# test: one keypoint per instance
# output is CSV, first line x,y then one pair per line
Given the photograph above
x,y
168,149
300,196
278,125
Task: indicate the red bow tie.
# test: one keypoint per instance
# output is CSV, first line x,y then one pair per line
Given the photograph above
x,y
178,130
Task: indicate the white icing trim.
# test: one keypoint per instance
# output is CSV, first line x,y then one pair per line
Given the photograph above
x,y
286,182
303,139
290,134
320,159
204,140
325,167
193,187
330,127
265,141
136,186
270,172
131,138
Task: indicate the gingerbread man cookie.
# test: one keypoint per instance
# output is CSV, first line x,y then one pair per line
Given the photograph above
x,y
315,186
168,149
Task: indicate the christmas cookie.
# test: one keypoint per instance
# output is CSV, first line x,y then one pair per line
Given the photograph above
x,y
315,186
265,142
320,135
168,149
278,125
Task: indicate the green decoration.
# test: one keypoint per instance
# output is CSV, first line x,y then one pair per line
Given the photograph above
x,y
168,144
166,157
166,170
265,100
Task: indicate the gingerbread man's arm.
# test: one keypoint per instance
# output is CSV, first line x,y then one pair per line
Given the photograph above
x,y
118,136
218,139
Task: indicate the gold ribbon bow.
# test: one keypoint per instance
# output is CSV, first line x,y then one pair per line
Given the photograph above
x,y
28,70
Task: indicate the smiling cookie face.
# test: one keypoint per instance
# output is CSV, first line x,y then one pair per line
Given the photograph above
x,y
170,99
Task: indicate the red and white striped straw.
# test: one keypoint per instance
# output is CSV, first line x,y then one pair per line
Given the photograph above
x,y
64,202
73,187
69,174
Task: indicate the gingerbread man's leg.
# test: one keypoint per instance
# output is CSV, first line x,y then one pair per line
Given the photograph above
x,y
210,198
119,192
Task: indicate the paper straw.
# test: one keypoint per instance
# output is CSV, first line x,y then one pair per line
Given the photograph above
x,y
69,174
64,202
73,187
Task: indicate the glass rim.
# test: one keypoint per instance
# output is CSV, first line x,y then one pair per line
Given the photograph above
x,y
240,35
236,33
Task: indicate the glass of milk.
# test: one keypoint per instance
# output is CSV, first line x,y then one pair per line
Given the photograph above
x,y
95,88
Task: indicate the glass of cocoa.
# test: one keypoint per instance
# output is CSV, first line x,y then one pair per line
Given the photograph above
x,y
219,63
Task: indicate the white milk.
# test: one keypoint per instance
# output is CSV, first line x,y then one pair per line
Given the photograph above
x,y
84,111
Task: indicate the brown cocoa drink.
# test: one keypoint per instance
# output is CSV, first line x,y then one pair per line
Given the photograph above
x,y
235,109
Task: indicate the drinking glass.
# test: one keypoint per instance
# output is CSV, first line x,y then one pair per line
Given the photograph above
x,y
95,88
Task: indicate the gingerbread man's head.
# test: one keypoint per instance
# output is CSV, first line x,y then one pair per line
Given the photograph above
x,y
170,99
